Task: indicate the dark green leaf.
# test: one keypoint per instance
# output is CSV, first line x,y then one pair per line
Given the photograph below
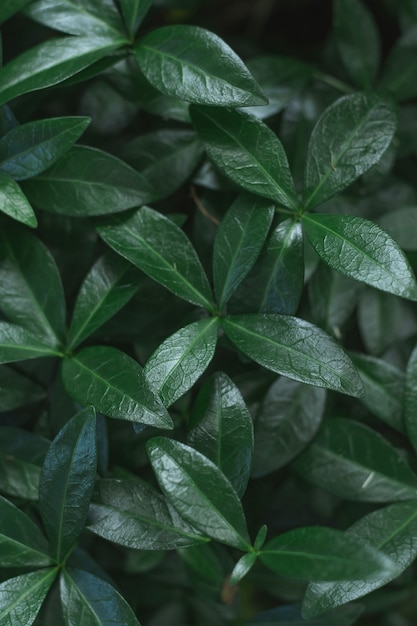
x,y
134,515
16,344
199,491
30,149
393,531
22,597
357,40
11,7
384,387
221,428
354,462
31,292
401,225
238,243
181,359
247,151
22,543
295,348
160,248
349,138
134,12
108,286
359,249
51,62
79,17
290,615
67,482
87,181
400,68
17,390
324,554
92,601
286,422
14,203
114,384
275,283
194,64
410,399
242,567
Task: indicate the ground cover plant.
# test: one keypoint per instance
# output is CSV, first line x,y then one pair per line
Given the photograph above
x,y
208,379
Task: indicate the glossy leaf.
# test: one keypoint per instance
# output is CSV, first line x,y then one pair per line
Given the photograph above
x,y
17,390
276,282
355,462
51,62
384,388
108,286
242,567
67,481
391,530
134,12
324,554
30,149
181,359
114,384
290,615
14,203
361,250
22,543
238,243
357,40
195,65
400,68
199,491
295,348
221,428
286,422
134,515
22,597
87,181
410,399
31,292
17,344
348,139
7,10
159,248
79,17
247,151
92,601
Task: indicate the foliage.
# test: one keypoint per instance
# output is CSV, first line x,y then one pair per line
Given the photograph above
x,y
208,317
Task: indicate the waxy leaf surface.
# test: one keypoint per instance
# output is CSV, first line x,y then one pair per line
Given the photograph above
x,y
134,11
22,597
14,203
17,344
290,615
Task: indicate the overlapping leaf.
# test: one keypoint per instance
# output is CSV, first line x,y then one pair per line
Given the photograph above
x,y
22,597
17,390
17,344
14,203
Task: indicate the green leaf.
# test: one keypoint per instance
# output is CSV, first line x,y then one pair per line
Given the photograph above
x,y
326,554
30,149
410,399
114,384
78,17
92,601
359,249
221,428
400,68
134,515
166,158
31,292
384,388
238,243
14,203
247,151
195,65
67,482
290,615
134,12
17,344
286,422
295,348
242,567
357,41
349,138
87,181
7,10
22,597
160,248
356,463
108,286
199,491
276,282
51,62
181,359
393,531
17,390
22,543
